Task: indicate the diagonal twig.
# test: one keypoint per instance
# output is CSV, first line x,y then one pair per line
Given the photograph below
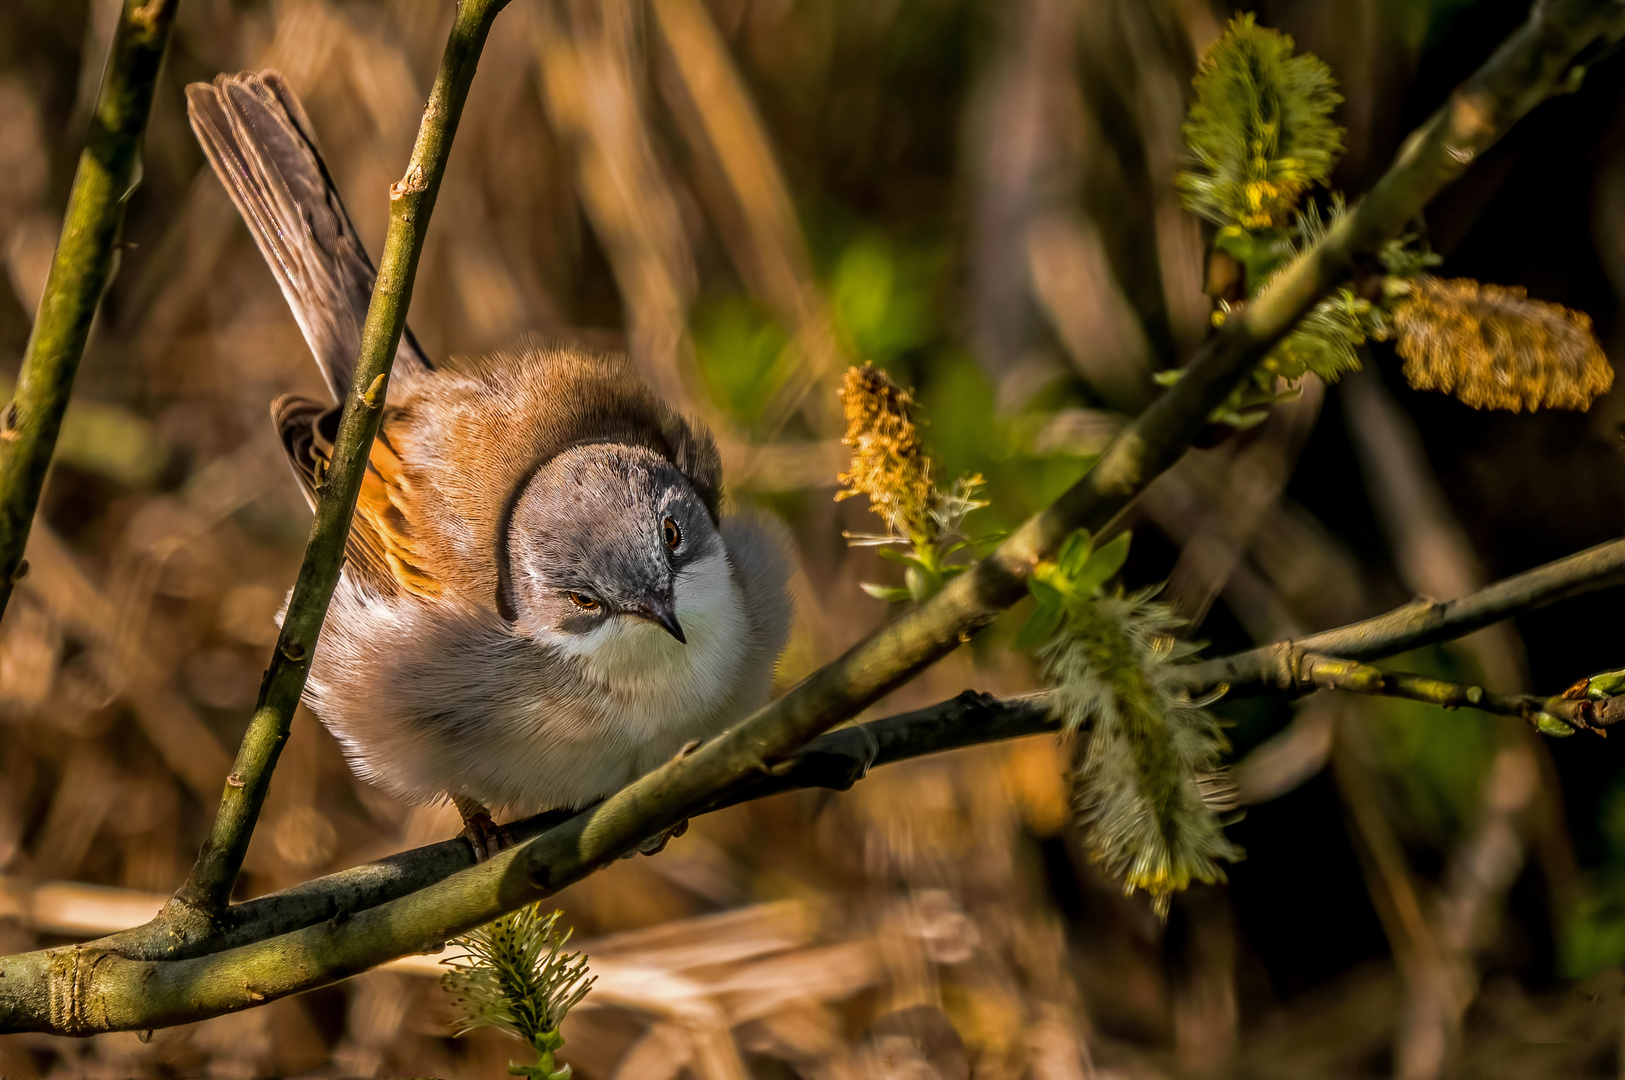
x,y
197,906
833,760
80,270
1424,622
838,758
1531,65
1317,672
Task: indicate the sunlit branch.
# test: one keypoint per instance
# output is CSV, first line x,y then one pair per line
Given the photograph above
x,y
80,270
1278,666
197,908
839,758
1332,673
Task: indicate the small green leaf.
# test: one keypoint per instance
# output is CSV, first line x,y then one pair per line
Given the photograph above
x,y
897,555
1547,724
1262,253
1169,377
539,1072
891,594
922,583
1074,553
1245,420
1102,565
1044,591
1039,627
1608,684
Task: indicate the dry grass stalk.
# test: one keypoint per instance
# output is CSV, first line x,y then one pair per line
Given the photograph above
x,y
716,115
588,61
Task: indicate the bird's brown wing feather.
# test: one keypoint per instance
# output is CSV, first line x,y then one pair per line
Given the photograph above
x,y
385,546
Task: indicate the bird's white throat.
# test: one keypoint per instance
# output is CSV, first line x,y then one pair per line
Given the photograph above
x,y
656,680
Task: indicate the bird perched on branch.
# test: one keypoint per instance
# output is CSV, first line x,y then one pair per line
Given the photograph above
x,y
542,599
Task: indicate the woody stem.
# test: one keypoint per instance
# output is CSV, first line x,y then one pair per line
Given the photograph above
x,y
80,270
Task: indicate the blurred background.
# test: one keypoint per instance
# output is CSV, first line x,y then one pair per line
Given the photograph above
x,y
749,195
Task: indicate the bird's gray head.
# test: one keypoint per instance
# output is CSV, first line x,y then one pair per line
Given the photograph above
x,y
602,533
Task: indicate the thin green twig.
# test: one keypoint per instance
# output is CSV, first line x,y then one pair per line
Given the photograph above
x,y
1533,64
839,758
1318,672
1278,666
80,270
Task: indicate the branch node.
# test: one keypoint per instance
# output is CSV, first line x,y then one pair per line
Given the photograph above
x,y
374,395
413,183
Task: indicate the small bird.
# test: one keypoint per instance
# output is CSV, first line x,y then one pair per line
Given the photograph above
x,y
542,599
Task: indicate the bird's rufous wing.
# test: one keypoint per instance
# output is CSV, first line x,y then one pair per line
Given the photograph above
x,y
386,546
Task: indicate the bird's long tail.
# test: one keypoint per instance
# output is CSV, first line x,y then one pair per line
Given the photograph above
x,y
256,135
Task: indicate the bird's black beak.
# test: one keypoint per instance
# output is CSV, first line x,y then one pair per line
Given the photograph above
x,y
661,611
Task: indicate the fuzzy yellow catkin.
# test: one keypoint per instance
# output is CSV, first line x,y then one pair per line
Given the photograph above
x,y
1260,132
1494,348
889,463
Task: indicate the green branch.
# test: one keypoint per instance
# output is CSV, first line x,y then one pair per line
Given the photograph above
x,y
1318,672
90,988
80,270
1279,666
839,758
836,760
1533,64
197,908
272,947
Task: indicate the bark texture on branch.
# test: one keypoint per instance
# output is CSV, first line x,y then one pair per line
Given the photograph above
x,y
839,758
1278,666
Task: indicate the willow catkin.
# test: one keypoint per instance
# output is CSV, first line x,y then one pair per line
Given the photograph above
x,y
1260,131
889,463
1494,348
1144,779
515,975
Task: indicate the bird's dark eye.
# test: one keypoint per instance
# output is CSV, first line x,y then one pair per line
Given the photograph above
x,y
583,601
672,534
